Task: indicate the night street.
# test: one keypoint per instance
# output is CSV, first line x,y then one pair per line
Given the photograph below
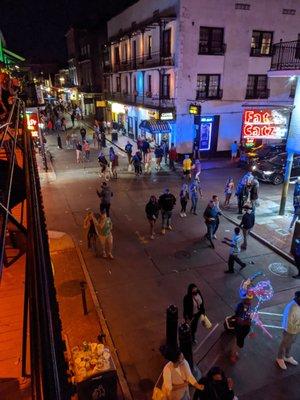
x,y
146,276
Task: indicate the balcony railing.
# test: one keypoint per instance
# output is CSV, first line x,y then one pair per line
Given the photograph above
x,y
257,94
286,56
147,61
209,96
213,50
152,102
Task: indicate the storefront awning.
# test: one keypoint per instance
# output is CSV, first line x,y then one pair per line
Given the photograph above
x,y
155,126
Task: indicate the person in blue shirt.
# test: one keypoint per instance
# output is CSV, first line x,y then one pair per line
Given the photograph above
x,y
234,150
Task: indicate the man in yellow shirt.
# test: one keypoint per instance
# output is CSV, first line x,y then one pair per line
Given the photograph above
x,y
187,166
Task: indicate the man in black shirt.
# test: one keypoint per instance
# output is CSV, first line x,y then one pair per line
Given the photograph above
x,y
247,224
166,202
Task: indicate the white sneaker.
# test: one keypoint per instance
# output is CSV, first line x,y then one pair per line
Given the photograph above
x,y
215,236
281,363
291,360
182,215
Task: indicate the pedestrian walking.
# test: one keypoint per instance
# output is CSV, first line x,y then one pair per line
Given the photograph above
x,y
104,228
152,211
96,132
145,148
216,386
86,150
148,162
165,148
193,308
243,190
59,144
235,249
291,329
68,140
63,124
139,144
103,166
73,118
187,167
184,198
242,326
217,211
128,150
103,137
89,224
83,134
78,152
229,188
195,191
166,202
254,194
137,163
113,163
247,223
177,377
158,155
209,218
172,157
297,257
197,169
234,150
105,196
296,203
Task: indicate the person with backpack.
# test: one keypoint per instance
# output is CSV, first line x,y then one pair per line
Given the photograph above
x,y
152,211
166,202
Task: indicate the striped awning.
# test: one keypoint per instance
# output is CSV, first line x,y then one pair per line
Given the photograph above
x,y
155,126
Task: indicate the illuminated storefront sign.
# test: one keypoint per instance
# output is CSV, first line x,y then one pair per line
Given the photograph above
x,y
167,116
265,123
117,108
194,109
100,103
32,121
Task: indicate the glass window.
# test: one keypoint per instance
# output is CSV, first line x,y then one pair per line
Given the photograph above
x,y
257,87
261,43
166,51
211,41
149,47
165,86
208,86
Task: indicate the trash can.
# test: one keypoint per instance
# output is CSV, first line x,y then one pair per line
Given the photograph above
x,y
296,235
114,135
102,386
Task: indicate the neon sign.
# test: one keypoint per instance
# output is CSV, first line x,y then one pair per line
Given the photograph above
x,y
32,123
265,123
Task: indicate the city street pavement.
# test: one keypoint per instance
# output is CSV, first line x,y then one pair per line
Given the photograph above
x,y
147,276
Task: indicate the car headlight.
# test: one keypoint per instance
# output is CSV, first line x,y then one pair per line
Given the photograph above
x,y
268,172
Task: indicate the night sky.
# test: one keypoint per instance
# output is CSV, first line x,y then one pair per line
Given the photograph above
x,y
36,28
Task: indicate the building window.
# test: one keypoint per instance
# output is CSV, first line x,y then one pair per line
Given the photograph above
x,y
117,56
208,87
149,86
257,87
149,47
211,41
166,44
118,84
261,43
165,86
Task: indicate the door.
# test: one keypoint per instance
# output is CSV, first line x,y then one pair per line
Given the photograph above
x,y
166,48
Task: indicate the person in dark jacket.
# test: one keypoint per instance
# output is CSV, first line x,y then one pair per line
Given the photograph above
x,y
210,221
152,211
166,202
83,134
193,308
216,386
247,223
297,257
105,195
137,163
158,155
128,149
145,148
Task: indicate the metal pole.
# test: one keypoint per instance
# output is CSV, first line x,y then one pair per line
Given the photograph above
x,y
171,327
84,305
285,188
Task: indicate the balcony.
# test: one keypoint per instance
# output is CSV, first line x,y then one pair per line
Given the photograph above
x,y
216,50
155,102
216,95
257,94
143,62
286,56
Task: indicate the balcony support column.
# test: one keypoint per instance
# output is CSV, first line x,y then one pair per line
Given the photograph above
x,y
143,72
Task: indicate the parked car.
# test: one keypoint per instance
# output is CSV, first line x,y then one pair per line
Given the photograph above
x,y
262,152
273,170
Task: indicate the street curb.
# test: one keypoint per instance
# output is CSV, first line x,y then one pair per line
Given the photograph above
x,y
265,242
121,376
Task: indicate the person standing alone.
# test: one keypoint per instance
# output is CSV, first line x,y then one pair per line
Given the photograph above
x,y
193,308
152,211
166,202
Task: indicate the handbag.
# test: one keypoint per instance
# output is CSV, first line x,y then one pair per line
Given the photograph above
x,y
158,393
205,321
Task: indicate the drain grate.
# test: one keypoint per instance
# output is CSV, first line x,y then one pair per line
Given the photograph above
x,y
182,254
279,269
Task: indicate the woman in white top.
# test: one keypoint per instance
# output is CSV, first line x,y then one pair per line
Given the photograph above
x,y
177,376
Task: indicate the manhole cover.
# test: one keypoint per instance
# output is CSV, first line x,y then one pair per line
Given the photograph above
x,y
182,254
279,269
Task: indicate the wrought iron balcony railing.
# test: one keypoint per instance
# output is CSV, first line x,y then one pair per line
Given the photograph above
x,y
286,56
135,99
